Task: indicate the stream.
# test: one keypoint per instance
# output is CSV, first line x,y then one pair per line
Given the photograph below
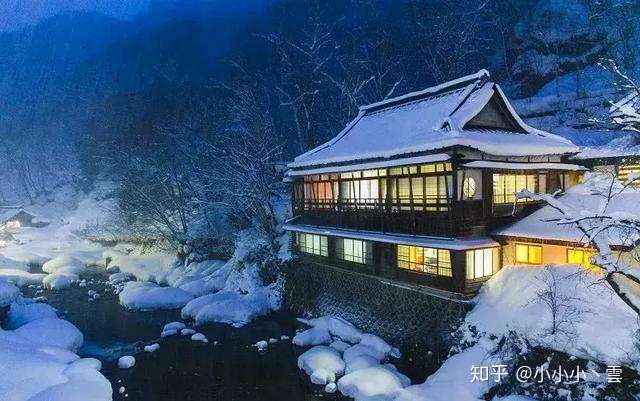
x,y
226,368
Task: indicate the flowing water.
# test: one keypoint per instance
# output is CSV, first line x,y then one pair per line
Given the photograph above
x,y
182,369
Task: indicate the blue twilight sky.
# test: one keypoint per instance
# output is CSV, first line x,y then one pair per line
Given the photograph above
x,y
16,14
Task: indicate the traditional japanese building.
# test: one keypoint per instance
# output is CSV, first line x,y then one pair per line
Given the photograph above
x,y
412,188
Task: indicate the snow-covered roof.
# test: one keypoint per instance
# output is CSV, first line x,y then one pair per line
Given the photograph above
x,y
543,223
431,158
523,166
401,239
429,120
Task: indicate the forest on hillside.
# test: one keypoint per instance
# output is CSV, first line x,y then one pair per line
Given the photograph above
x,y
189,113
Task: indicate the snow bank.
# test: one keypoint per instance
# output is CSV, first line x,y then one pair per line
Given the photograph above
x,y
453,380
10,264
145,267
8,293
21,277
508,302
149,296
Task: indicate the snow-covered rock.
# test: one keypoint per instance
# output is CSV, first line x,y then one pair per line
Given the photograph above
x,y
8,293
24,312
261,345
120,277
64,263
152,347
187,332
199,337
53,332
59,281
126,362
227,307
177,326
378,383
322,363
148,296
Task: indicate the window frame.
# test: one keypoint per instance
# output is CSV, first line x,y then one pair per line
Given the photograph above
x,y
442,267
322,248
366,250
528,262
470,256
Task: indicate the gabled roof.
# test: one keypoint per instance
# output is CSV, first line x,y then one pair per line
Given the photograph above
x,y
432,119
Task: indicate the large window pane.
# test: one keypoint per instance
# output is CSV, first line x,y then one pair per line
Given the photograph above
x,y
312,244
425,260
479,263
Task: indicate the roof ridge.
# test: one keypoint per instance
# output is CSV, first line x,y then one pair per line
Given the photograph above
x,y
433,90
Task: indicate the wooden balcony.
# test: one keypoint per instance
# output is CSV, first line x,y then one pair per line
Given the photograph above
x,y
437,217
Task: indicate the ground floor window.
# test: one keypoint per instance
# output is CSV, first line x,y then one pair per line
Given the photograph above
x,y
479,263
529,254
425,260
353,250
629,170
582,257
313,244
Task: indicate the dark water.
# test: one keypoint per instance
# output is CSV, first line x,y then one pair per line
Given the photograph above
x,y
182,369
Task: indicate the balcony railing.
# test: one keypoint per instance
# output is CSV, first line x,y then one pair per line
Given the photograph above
x,y
426,216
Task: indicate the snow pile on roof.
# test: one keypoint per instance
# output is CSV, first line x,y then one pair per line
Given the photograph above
x,y
626,112
430,120
37,359
341,348
510,301
587,199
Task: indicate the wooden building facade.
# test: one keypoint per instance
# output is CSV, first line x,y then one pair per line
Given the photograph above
x,y
412,188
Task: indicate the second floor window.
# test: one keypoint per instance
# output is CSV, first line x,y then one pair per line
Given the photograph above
x,y
312,244
505,186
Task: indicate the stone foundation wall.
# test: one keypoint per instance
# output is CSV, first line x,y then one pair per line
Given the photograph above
x,y
418,323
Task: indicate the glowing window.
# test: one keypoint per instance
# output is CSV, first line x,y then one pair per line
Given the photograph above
x,y
353,250
529,254
425,260
469,187
479,263
312,244
582,257
506,186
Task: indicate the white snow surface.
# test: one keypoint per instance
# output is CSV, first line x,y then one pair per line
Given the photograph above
x,y
146,295
8,293
24,311
126,362
38,363
508,302
341,348
453,380
322,363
